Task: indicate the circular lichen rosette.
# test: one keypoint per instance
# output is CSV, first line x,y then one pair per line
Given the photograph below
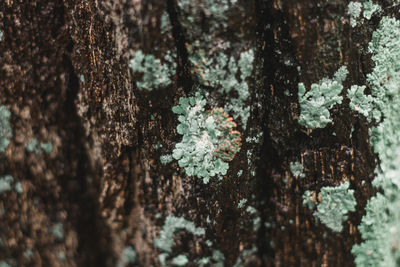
x,y
209,140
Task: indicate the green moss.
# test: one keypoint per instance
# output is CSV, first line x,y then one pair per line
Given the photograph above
x,y
336,203
354,11
315,104
297,169
154,74
5,128
5,183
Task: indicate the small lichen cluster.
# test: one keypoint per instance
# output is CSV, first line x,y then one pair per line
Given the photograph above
x,y
297,169
208,141
217,259
336,203
362,103
166,239
213,13
219,71
370,8
35,147
354,11
316,103
309,199
5,183
154,74
5,128
128,256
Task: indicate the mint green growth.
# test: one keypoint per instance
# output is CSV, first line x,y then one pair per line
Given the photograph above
x,y
362,103
128,256
380,227
166,240
309,199
216,260
354,11
297,169
180,260
5,128
370,8
154,74
171,225
315,104
336,203
58,230
35,147
5,183
200,138
219,71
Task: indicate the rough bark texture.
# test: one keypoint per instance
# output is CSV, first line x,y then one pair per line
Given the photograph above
x,y
65,78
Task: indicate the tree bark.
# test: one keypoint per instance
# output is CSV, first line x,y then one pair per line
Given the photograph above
x,y
66,79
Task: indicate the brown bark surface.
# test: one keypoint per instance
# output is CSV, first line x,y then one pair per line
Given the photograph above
x,y
104,182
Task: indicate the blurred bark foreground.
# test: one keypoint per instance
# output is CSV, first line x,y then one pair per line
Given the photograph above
x,y
88,176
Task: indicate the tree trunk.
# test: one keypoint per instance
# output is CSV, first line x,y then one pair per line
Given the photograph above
x,y
88,132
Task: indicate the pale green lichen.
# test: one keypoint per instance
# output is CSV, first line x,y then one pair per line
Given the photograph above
x,y
244,255
165,159
354,11
241,203
370,8
35,147
208,139
128,256
336,203
154,74
18,188
362,103
180,260
213,13
316,103
380,227
171,225
297,169
58,231
5,128
5,183
46,147
309,199
219,71
217,260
